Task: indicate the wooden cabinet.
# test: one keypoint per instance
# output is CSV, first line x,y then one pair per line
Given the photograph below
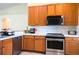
x,y
7,47
39,44
59,9
51,10
68,10
0,47
41,15
28,43
32,16
72,46
34,43
37,15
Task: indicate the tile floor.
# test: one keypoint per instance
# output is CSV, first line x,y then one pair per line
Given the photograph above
x,y
30,53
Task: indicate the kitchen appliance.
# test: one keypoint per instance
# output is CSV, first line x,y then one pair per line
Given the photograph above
x,y
32,30
17,43
72,32
55,20
55,44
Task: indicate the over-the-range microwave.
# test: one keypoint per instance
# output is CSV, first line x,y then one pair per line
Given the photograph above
x,y
55,20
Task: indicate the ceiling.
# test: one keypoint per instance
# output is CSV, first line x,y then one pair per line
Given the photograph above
x,y
7,5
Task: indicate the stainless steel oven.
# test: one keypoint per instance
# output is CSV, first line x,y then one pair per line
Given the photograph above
x,y
55,45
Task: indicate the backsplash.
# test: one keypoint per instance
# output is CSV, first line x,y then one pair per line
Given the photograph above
x,y
53,29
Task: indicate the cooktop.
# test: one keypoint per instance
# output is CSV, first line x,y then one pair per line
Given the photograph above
x,y
55,35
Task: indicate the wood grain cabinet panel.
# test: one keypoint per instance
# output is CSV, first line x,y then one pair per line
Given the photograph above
x,y
37,15
40,44
71,46
70,12
0,47
51,10
7,47
28,43
32,16
59,9
41,15
34,43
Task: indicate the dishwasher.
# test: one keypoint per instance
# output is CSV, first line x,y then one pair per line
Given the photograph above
x,y
17,42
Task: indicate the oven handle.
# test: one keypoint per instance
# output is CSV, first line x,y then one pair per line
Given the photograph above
x,y
48,39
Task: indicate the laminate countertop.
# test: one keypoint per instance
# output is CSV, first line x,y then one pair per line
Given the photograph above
x,y
7,37
42,34
36,34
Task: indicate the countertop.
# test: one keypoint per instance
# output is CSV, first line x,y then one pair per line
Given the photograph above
x,y
7,37
43,34
36,34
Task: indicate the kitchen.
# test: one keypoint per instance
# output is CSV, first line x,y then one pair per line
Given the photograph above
x,y
47,29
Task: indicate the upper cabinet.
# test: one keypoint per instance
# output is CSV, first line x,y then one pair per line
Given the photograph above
x,y
59,9
70,13
37,15
31,17
51,10
68,10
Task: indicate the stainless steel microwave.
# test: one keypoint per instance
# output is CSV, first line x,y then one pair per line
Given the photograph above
x,y
55,20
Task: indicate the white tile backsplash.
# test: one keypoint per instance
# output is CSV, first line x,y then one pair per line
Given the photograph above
x,y
53,29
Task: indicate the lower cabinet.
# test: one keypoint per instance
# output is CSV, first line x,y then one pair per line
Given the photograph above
x,y
34,43
72,46
0,51
28,43
0,47
7,47
39,44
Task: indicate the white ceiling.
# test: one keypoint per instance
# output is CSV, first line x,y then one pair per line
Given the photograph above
x,y
7,5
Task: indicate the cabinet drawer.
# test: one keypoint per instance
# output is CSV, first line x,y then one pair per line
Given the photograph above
x,y
28,36
39,37
7,42
68,39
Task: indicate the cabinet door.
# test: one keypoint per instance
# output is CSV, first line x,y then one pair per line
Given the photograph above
x,y
40,44
37,15
0,47
70,12
41,15
7,47
0,51
77,45
59,9
70,46
28,43
51,10
32,15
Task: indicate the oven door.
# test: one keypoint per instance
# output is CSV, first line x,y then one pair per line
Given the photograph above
x,y
54,44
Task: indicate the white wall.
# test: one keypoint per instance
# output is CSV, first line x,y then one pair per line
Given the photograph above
x,y
18,16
